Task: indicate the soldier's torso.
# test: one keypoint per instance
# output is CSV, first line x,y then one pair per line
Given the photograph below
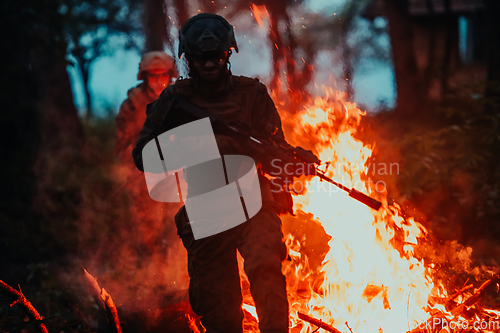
x,y
233,105
139,98
236,104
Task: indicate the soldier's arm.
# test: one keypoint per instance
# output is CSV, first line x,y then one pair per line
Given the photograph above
x,y
267,119
153,125
271,118
124,135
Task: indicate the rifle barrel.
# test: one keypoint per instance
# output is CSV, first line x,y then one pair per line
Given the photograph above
x,y
353,193
201,113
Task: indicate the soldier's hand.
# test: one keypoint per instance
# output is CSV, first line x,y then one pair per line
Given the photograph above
x,y
307,155
228,145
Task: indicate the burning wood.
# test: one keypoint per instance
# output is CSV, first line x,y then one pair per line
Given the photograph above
x,y
318,323
474,298
450,301
443,319
26,306
104,302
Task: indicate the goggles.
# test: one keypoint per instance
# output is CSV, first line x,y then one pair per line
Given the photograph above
x,y
215,57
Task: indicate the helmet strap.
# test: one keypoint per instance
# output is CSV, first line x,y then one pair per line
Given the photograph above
x,y
229,63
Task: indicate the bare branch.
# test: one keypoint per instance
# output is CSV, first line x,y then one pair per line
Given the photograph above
x,y
26,306
104,302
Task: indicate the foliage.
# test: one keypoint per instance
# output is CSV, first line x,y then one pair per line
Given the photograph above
x,y
449,168
39,259
463,156
49,272
94,28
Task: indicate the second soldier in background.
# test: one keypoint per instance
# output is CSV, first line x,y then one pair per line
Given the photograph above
x,y
147,217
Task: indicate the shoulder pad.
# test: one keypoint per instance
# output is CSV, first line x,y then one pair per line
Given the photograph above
x,y
182,87
135,92
245,80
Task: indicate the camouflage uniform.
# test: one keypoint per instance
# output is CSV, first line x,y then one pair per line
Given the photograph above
x,y
130,120
132,112
214,287
147,216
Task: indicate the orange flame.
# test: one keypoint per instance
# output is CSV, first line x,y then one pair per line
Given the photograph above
x,y
192,324
369,278
259,13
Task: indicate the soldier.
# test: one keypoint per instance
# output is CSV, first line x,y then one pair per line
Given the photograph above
x,y
156,70
207,40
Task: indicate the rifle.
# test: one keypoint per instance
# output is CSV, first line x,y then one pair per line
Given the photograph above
x,y
262,147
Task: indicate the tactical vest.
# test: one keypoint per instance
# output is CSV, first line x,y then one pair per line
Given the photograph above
x,y
236,105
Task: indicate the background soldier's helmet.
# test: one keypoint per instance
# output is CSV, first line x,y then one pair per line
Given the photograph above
x,y
206,33
153,61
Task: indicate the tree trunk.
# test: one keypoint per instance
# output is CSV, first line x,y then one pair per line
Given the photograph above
x,y
40,119
451,46
84,67
59,122
182,11
155,25
57,194
347,65
493,54
19,135
410,91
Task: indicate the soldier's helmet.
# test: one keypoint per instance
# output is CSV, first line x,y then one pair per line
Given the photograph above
x,y
156,60
206,32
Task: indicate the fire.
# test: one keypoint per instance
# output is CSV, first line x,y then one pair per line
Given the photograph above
x,y
192,324
259,13
369,279
250,309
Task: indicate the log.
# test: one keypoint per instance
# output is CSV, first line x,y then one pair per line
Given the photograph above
x,y
26,306
474,298
449,302
467,303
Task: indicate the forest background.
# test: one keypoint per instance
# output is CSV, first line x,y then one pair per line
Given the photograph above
x,y
60,208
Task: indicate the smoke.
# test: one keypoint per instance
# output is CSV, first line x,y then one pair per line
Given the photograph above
x,y
129,241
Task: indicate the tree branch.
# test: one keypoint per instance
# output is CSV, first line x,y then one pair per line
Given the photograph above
x,y
318,323
104,302
26,306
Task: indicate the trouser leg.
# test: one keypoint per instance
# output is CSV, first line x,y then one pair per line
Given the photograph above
x,y
263,250
214,286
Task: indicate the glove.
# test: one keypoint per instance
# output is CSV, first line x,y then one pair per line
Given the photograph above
x,y
306,155
228,146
